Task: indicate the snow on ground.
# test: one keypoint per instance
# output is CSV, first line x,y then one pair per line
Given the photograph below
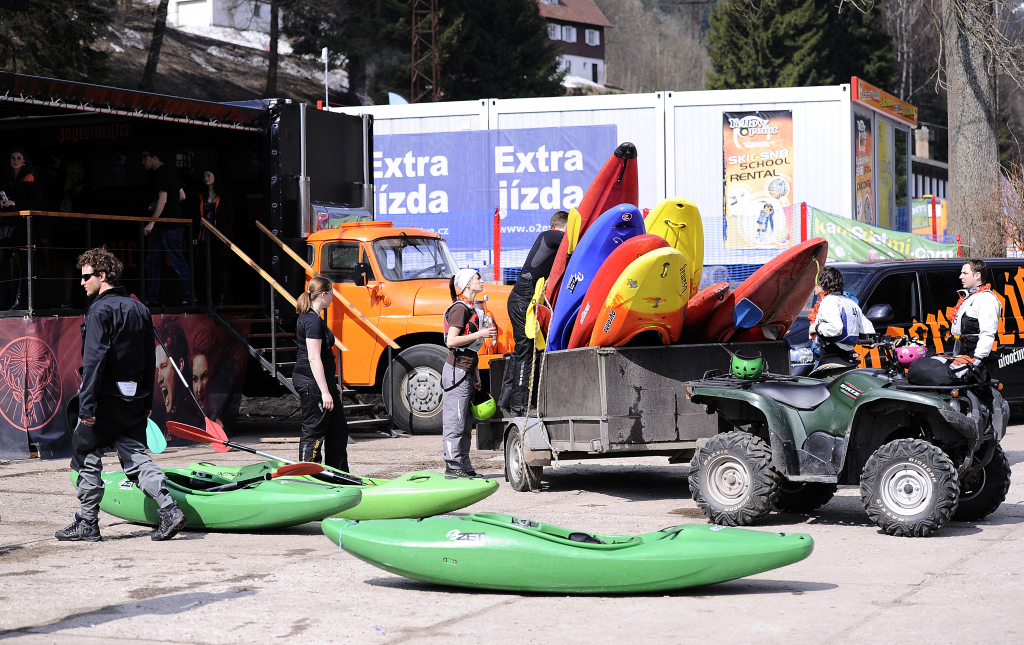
x,y
252,39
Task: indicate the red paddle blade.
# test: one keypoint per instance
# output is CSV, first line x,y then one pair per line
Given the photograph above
x,y
295,470
192,433
217,432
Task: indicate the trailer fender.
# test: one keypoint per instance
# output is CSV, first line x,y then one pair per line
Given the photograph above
x,y
535,446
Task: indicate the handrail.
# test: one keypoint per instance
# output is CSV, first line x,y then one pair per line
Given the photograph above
x,y
124,218
337,294
266,276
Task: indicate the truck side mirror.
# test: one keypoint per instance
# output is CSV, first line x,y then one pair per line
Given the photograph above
x,y
361,270
879,313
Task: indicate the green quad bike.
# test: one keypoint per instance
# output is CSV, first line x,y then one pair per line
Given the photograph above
x,y
922,455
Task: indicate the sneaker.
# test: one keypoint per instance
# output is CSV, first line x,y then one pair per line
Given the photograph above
x,y
456,472
471,473
80,531
171,522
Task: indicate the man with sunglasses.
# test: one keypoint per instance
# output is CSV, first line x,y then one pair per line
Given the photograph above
x,y
115,399
975,319
166,237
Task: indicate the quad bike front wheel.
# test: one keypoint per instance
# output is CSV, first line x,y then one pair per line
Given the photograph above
x,y
732,479
909,488
983,491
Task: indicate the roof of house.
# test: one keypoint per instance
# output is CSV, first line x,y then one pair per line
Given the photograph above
x,y
582,11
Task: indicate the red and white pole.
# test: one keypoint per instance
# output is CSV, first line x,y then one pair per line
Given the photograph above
x,y
497,244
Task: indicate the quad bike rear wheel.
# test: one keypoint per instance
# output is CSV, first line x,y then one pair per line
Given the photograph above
x,y
909,488
806,497
983,491
732,479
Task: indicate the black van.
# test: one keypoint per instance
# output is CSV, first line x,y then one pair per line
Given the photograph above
x,y
922,294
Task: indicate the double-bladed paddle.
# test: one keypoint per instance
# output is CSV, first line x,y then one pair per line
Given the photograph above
x,y
212,426
185,431
288,470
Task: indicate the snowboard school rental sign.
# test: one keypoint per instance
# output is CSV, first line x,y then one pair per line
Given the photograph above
x,y
451,182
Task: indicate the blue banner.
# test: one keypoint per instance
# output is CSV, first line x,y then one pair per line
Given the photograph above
x,y
451,182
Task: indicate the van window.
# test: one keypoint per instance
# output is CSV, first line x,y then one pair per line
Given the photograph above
x,y
899,291
942,288
339,260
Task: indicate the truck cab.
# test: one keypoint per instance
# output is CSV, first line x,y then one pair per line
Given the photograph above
x,y
398,278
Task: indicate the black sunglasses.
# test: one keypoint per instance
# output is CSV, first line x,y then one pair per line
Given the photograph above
x,y
88,276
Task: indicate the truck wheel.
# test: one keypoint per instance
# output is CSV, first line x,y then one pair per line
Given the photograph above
x,y
520,476
909,488
412,390
796,497
732,479
982,492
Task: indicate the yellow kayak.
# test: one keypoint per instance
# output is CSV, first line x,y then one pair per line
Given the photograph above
x,y
650,295
677,219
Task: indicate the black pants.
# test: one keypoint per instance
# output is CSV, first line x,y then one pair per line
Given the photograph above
x,y
515,387
324,437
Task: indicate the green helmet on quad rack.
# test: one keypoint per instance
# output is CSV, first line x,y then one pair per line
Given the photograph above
x,y
483,406
747,368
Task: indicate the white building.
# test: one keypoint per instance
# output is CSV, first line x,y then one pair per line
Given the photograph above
x,y
244,15
580,26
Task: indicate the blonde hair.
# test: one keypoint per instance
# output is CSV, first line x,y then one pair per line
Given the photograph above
x,y
316,287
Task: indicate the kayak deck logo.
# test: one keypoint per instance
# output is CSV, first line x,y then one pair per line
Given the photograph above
x,y
457,535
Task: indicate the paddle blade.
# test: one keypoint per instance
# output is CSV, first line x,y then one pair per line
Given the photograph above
x,y
192,433
746,315
155,439
296,470
217,432
572,229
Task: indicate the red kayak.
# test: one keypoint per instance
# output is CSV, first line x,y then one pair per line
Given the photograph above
x,y
616,183
610,271
779,289
699,309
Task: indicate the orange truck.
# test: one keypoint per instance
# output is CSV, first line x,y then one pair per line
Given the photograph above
x,y
398,279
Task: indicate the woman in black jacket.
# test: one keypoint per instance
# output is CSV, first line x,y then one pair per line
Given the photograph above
x,y
215,207
20,193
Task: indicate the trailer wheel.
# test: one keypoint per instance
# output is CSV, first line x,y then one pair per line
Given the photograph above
x,y
412,390
732,479
982,492
909,488
804,497
521,476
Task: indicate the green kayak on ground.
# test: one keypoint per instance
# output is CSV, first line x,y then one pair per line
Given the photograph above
x,y
490,551
419,494
264,504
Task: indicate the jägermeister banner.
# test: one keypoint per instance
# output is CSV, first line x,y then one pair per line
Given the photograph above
x,y
852,240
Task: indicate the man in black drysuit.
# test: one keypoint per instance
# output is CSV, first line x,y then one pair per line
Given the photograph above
x,y
115,399
515,389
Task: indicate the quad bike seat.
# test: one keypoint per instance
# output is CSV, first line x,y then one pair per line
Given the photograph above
x,y
802,396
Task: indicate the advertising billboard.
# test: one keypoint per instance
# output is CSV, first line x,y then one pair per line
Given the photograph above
x,y
864,210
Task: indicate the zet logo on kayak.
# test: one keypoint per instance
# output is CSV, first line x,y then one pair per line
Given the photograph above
x,y
456,534
126,484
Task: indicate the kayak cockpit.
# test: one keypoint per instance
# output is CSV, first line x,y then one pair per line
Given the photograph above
x,y
557,533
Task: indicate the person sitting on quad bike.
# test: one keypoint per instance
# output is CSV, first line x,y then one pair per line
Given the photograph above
x,y
975,319
835,324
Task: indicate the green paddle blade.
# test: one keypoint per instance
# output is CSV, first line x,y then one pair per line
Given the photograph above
x,y
154,437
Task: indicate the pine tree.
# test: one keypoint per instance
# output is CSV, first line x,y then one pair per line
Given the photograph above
x,y
795,43
54,38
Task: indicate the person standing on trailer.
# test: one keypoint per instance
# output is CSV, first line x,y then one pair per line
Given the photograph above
x,y
836,321
167,197
115,399
515,388
975,319
324,436
460,376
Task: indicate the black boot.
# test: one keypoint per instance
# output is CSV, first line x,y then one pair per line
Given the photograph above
x,y
80,531
171,521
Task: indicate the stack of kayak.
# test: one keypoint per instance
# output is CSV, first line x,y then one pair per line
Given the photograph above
x,y
489,551
620,277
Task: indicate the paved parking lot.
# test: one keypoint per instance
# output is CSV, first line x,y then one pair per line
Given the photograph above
x,y
961,585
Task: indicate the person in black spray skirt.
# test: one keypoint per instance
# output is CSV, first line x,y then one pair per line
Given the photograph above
x,y
460,376
324,435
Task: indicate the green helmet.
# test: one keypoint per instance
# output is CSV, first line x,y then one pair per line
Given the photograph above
x,y
483,406
747,367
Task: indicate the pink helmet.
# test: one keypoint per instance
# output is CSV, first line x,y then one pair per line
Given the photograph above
x,y
909,353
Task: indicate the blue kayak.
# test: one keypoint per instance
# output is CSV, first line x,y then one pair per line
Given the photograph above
x,y
612,228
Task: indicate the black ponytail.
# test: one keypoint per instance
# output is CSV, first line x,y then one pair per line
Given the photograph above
x,y
451,287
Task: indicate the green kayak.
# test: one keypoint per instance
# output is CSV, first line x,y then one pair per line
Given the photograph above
x,y
419,494
265,504
490,551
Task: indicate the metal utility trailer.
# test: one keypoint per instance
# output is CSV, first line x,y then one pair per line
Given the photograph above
x,y
598,402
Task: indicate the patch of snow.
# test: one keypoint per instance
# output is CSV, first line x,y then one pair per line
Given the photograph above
x,y
119,50
253,60
578,81
128,38
292,69
243,38
202,63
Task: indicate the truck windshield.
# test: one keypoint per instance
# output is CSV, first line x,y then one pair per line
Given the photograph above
x,y
413,258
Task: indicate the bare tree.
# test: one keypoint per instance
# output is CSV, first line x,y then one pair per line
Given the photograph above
x,y
1013,203
159,26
